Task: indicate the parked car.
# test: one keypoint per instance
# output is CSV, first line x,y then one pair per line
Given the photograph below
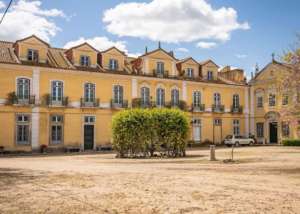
x,y
238,140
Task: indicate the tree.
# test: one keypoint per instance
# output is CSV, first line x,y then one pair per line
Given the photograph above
x,y
289,84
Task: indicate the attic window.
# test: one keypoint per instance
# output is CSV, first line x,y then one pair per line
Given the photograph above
x,y
84,61
113,64
190,72
33,55
209,75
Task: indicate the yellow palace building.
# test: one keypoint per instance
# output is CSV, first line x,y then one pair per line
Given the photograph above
x,y
66,98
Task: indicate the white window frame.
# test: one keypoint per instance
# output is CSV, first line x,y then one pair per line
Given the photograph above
x,y
22,122
32,55
160,67
210,75
236,101
57,96
259,101
85,61
217,99
56,123
113,64
24,95
190,72
175,96
236,127
118,94
285,129
160,97
260,130
145,95
285,99
196,98
89,92
272,99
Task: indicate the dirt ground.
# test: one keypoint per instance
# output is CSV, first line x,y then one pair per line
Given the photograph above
x,y
263,180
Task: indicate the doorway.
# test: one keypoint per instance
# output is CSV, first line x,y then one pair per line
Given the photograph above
x,y
197,130
88,137
273,135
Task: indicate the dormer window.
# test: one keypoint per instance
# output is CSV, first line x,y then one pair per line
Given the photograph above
x,y
85,61
113,64
160,68
190,72
33,55
210,75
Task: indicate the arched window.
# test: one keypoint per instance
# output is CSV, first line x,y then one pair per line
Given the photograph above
x,y
160,97
89,92
175,97
217,99
196,98
57,90
23,88
236,101
118,94
145,96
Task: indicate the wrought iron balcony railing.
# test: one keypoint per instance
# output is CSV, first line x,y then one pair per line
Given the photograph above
x,y
237,109
89,103
57,101
161,74
119,103
16,99
218,108
198,107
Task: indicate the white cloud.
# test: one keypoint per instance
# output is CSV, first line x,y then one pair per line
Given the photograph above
x,y
172,21
241,56
2,5
206,45
135,55
100,43
26,18
184,50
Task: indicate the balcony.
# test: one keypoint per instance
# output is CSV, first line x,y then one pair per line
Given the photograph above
x,y
139,103
161,74
89,103
119,103
236,109
180,104
198,107
55,101
218,108
20,100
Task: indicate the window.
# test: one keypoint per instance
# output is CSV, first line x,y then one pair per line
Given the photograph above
x,y
56,129
175,97
217,122
160,68
190,72
217,99
22,129
236,127
145,96
23,88
285,129
33,55
89,92
113,64
260,130
210,75
89,119
160,97
84,61
118,94
285,99
196,98
57,91
236,101
260,102
272,99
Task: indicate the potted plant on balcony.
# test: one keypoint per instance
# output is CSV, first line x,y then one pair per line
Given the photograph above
x,y
43,148
12,98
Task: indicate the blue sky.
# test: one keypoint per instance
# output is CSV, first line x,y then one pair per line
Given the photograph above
x,y
255,29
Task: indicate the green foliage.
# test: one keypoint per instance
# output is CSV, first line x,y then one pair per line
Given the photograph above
x,y
142,132
291,142
11,98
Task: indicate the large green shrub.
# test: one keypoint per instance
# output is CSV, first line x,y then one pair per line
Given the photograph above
x,y
291,142
142,132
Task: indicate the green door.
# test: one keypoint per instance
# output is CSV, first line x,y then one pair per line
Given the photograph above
x,y
88,137
273,133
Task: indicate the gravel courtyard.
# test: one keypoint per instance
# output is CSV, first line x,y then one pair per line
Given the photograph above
x,y
263,180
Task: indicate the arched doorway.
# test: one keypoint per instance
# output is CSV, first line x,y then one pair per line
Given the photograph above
x,y
272,120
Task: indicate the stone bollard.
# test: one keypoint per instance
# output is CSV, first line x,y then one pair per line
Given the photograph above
x,y
212,153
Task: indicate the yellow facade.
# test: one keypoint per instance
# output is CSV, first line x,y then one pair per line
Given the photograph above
x,y
76,115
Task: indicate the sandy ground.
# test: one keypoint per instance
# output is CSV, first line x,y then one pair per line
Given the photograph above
x,y
263,180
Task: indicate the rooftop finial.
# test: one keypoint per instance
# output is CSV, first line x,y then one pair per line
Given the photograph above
x,y
256,68
159,45
146,49
273,57
252,75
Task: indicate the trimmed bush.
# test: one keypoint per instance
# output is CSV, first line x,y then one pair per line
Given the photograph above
x,y
142,132
291,142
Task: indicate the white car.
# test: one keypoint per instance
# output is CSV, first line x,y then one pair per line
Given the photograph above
x,y
238,140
